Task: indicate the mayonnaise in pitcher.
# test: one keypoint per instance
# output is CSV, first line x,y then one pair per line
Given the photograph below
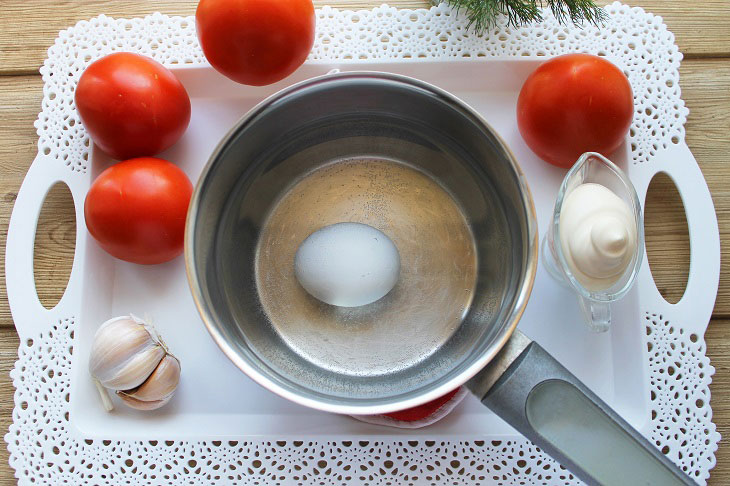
x,y
597,235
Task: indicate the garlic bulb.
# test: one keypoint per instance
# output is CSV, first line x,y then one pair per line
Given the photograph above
x,y
129,357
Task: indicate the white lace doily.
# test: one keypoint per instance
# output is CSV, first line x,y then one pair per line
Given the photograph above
x,y
45,449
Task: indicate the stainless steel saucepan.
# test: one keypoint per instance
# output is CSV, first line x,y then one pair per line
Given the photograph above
x,y
416,163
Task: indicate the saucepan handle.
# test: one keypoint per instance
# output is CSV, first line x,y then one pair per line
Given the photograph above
x,y
540,398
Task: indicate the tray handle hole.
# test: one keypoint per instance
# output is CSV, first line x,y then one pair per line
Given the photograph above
x,y
55,242
667,237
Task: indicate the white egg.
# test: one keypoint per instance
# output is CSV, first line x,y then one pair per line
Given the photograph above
x,y
347,264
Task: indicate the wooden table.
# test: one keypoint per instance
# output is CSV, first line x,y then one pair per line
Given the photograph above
x,y
28,27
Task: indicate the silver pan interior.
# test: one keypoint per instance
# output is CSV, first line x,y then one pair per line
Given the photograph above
x,y
383,150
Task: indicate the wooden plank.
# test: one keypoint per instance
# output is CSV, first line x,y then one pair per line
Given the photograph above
x,y
667,238
28,27
8,355
54,249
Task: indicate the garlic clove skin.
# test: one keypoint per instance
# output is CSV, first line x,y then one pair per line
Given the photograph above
x,y
160,385
139,404
136,369
124,354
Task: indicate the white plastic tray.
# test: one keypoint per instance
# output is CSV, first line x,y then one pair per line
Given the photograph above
x,y
216,399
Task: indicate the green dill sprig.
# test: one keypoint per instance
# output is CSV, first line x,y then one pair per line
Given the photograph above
x,y
483,14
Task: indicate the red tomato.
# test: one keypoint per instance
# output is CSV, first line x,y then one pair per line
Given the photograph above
x,y
573,104
422,411
136,210
256,42
131,105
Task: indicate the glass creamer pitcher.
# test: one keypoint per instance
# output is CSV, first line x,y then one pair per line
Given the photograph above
x,y
592,167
